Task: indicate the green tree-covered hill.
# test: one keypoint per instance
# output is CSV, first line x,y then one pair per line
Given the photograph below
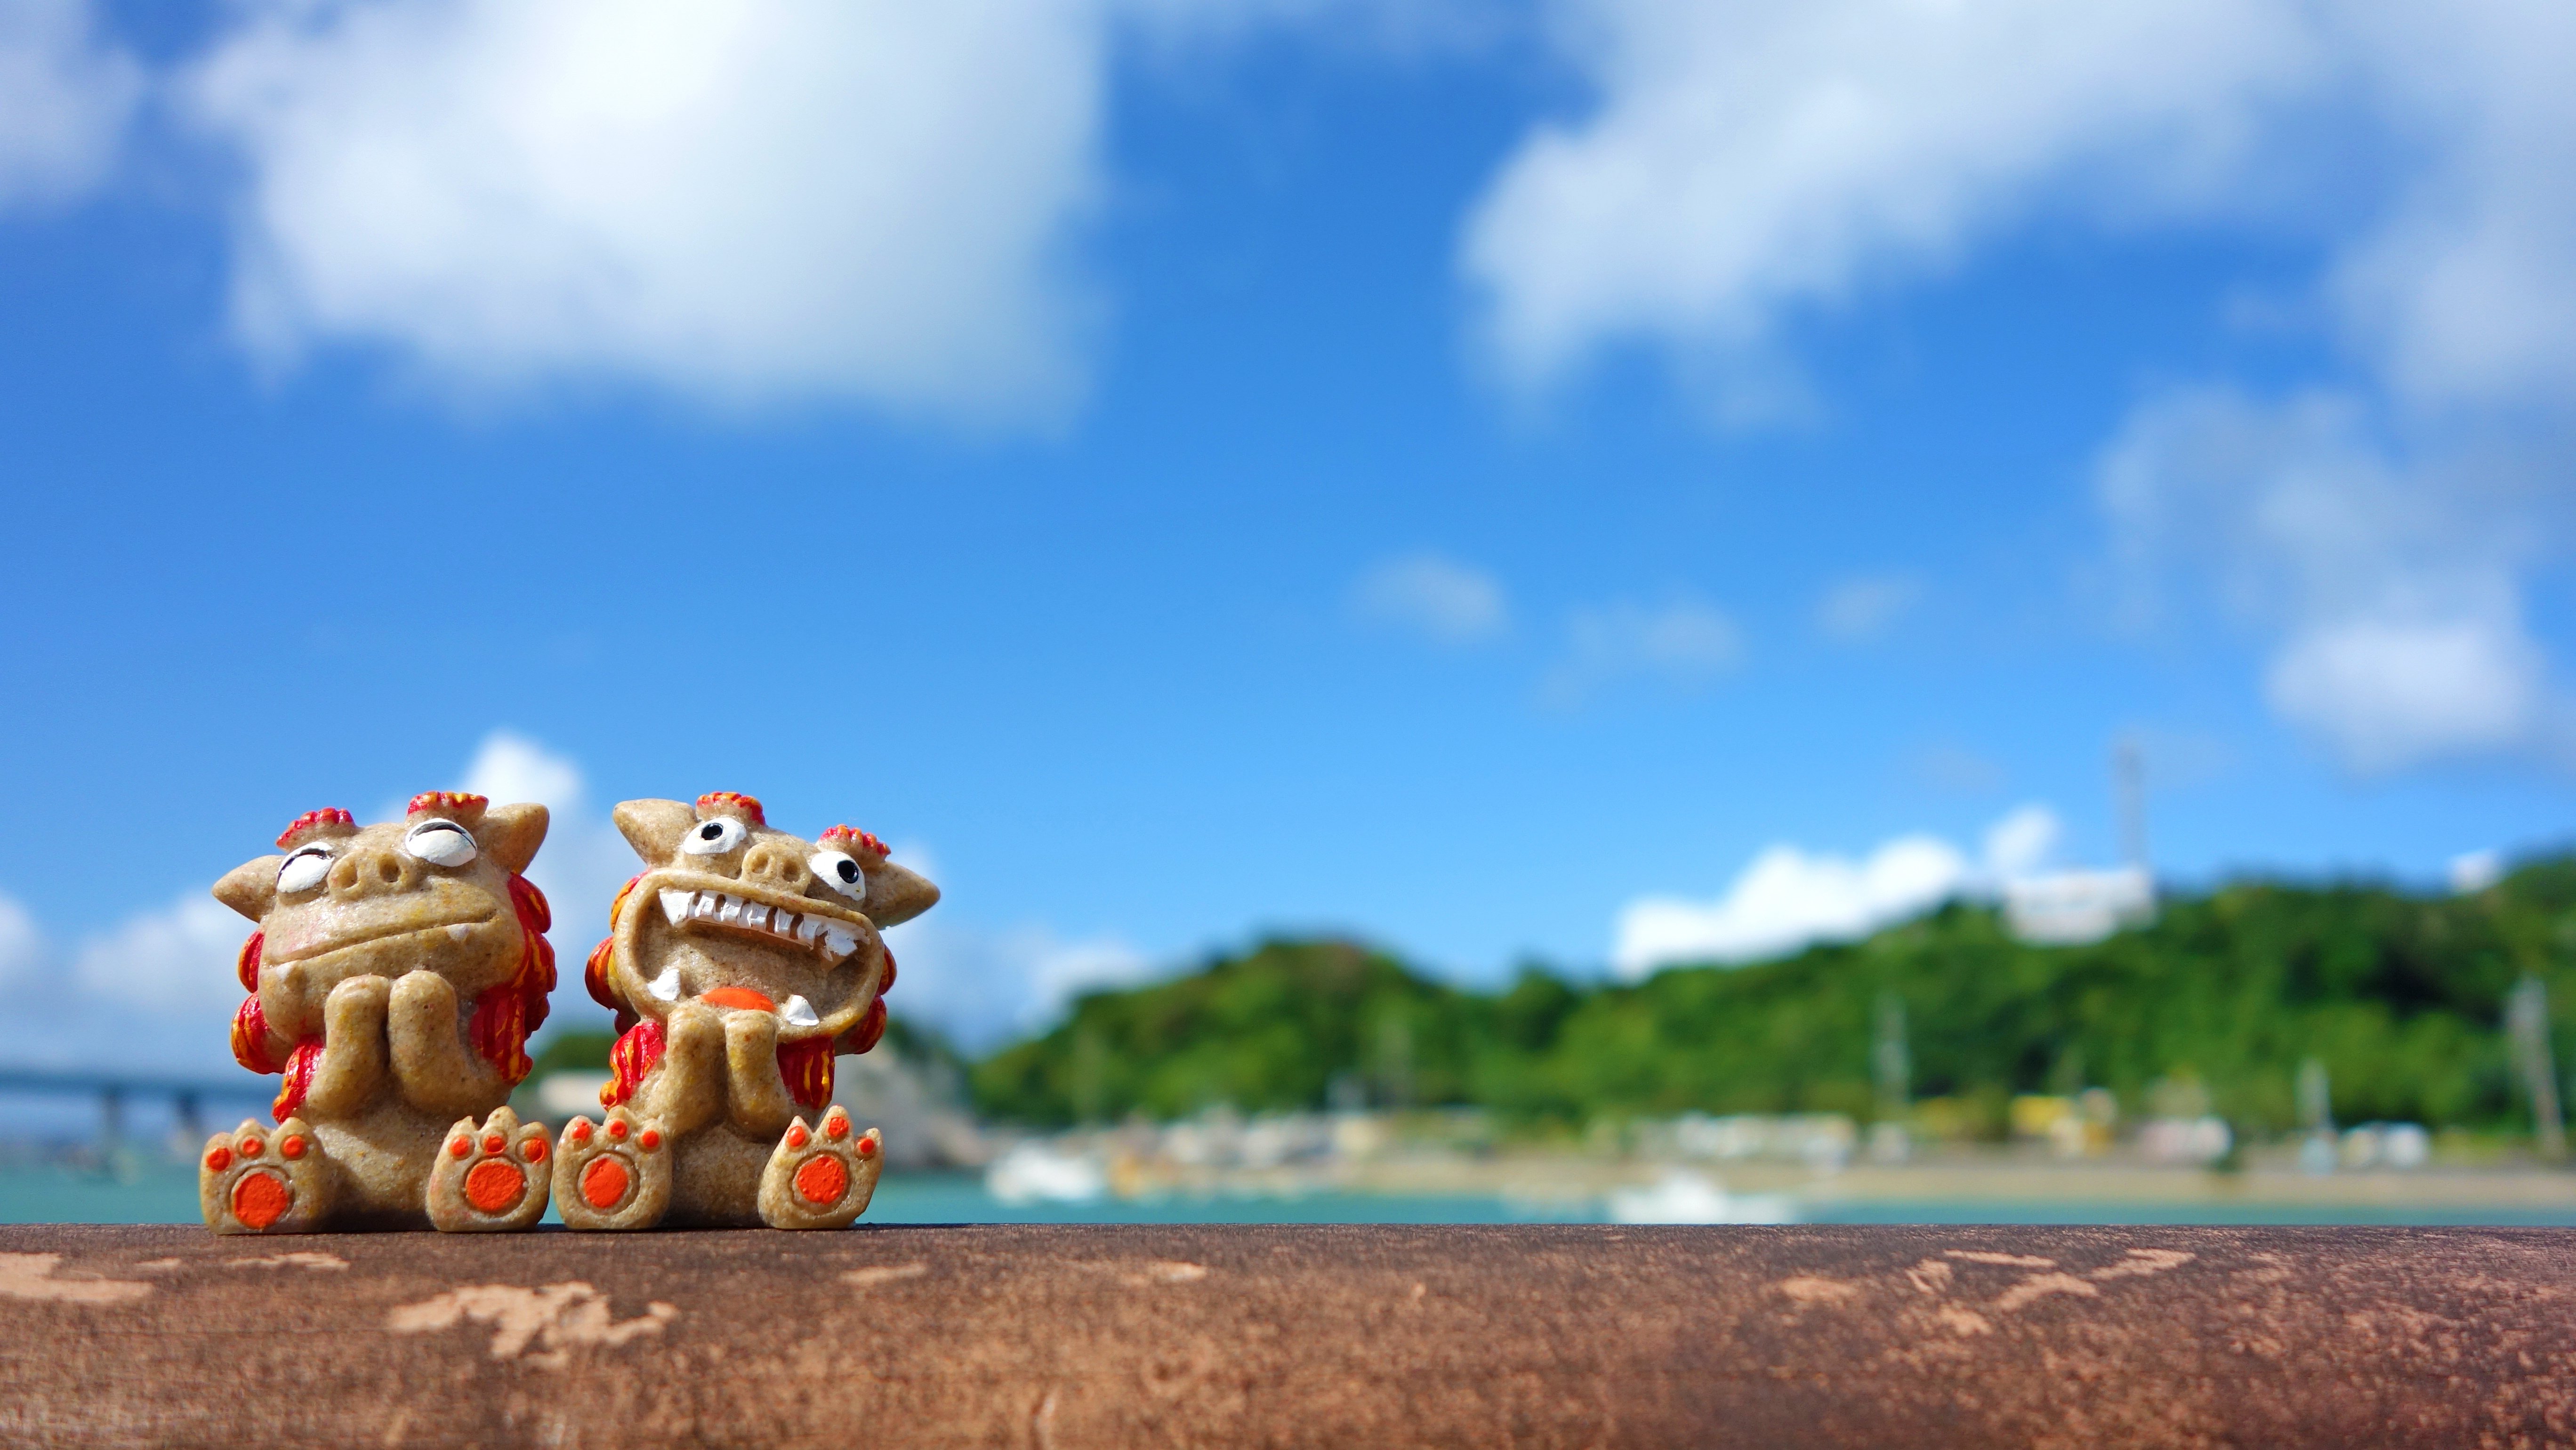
x,y
2400,995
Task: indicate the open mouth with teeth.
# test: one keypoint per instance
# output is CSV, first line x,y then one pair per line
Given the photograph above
x,y
829,937
793,932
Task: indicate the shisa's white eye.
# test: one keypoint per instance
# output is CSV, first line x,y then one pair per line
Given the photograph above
x,y
440,843
303,870
713,837
839,871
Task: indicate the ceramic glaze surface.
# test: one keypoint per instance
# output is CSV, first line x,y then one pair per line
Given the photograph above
x,y
739,963
395,975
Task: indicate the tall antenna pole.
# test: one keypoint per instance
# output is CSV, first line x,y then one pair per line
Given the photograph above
x,y
2129,784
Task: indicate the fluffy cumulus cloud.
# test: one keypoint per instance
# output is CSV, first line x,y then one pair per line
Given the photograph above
x,y
983,986
65,99
584,860
1743,166
22,942
1787,897
2389,585
1745,161
177,961
738,203
1436,598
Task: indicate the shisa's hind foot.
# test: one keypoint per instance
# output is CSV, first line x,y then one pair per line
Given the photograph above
x,y
821,1177
253,1180
615,1175
489,1179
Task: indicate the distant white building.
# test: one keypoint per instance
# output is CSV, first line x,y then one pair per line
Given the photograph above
x,y
2069,908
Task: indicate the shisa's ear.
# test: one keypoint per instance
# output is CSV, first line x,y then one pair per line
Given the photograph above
x,y
513,833
251,887
894,894
654,828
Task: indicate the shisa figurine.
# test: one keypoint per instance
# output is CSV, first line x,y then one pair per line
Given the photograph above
x,y
396,974
738,964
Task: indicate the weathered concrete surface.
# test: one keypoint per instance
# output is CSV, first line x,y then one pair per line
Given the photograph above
x,y
1207,1335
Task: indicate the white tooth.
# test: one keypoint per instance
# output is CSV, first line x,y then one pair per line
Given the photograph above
x,y
843,940
730,909
799,1013
783,922
459,933
808,929
705,905
675,904
666,987
755,915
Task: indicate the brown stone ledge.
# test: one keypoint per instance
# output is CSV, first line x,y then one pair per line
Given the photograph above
x,y
1327,1336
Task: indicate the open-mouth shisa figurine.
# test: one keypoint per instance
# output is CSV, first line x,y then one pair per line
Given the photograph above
x,y
738,964
396,974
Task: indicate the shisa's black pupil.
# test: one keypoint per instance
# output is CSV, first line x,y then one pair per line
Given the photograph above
x,y
710,831
849,870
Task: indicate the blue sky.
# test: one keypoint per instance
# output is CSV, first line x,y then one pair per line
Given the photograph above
x,y
1188,468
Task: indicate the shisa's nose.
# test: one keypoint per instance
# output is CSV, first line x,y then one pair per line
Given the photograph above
x,y
770,865
372,872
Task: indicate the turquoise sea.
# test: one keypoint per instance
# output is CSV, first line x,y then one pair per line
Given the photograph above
x,y
163,1193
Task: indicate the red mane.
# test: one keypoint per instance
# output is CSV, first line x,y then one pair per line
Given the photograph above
x,y
734,801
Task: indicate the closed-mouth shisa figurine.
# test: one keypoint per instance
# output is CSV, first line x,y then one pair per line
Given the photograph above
x,y
738,963
396,974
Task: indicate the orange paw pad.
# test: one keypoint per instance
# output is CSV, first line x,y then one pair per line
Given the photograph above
x,y
650,1138
536,1149
250,1147
290,1147
616,1129
867,1147
603,1183
218,1159
581,1130
494,1142
260,1199
822,1179
495,1186
836,1127
796,1136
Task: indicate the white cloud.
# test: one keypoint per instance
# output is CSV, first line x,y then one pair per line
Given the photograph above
x,y
1744,166
584,860
982,987
2022,842
2459,291
2390,586
1788,898
1683,641
868,200
1438,598
2388,694
65,99
1865,606
22,942
2474,871
1747,161
177,961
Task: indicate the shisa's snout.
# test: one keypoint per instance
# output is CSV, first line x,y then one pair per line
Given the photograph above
x,y
373,871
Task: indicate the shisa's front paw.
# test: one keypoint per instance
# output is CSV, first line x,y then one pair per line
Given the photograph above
x,y
252,1181
821,1178
489,1179
616,1175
